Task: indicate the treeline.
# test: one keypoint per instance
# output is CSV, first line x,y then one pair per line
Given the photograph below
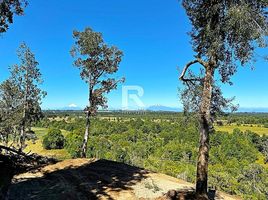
x,y
116,114
229,118
237,160
247,118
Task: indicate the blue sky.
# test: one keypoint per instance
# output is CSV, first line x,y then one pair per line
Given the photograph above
x,y
151,33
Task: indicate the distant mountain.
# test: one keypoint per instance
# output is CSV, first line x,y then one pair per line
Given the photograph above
x,y
174,109
70,108
163,108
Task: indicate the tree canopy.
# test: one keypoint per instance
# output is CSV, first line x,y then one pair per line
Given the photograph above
x,y
9,8
27,77
227,31
96,61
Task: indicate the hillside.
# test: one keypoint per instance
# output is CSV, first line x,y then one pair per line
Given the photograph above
x,y
95,179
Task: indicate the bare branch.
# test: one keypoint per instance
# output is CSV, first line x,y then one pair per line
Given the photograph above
x,y
191,79
198,60
186,68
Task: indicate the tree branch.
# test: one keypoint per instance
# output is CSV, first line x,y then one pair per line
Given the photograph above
x,y
14,151
197,60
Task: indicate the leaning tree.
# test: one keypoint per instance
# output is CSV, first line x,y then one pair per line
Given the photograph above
x,y
96,61
9,8
225,35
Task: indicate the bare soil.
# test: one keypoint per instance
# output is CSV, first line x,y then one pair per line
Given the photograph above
x,y
96,179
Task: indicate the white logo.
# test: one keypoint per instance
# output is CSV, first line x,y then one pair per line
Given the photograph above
x,y
136,98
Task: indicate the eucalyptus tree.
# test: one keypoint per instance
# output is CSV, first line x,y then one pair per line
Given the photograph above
x,y
27,76
97,63
225,35
9,8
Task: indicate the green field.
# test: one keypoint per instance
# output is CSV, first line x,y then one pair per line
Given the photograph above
x,y
256,129
36,147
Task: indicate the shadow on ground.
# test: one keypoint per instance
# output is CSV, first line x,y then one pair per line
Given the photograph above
x,y
14,162
89,181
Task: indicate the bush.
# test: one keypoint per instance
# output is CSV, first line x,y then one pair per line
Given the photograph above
x,y
73,142
53,139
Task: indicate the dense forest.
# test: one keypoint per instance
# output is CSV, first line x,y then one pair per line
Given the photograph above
x,y
168,143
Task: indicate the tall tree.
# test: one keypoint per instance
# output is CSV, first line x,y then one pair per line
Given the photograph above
x,y
7,10
96,61
27,76
225,35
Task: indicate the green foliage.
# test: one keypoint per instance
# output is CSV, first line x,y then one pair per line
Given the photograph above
x,y
73,142
96,62
53,139
20,96
28,78
9,8
10,109
240,148
228,32
170,146
254,178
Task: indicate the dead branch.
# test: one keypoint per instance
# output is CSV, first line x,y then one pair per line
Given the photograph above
x,y
9,149
26,159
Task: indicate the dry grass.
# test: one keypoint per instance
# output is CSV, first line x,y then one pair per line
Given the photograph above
x,y
37,147
256,129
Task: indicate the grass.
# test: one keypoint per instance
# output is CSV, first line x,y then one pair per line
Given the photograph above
x,y
256,129
261,160
37,147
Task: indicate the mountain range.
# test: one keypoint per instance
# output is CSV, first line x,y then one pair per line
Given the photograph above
x,y
162,108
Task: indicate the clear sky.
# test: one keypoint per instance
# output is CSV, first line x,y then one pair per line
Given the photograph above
x,y
151,33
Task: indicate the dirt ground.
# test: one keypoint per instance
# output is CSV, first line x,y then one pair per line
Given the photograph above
x,y
95,179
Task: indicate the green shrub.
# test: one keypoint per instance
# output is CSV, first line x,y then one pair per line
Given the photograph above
x,y
73,142
53,139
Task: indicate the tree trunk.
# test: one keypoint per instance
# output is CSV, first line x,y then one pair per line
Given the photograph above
x,y
86,136
6,142
22,130
205,124
22,138
25,111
